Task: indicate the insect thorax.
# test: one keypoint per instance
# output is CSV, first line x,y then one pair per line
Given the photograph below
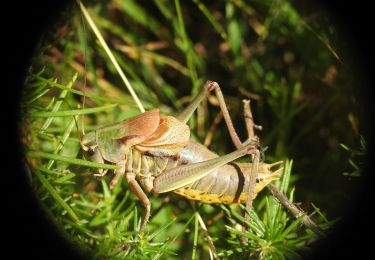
x,y
146,166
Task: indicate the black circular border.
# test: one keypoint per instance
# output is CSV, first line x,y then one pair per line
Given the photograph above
x,y
27,230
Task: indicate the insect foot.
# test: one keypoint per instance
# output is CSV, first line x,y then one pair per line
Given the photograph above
x,y
211,85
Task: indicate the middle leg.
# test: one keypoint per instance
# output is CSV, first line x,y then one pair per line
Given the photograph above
x,y
137,190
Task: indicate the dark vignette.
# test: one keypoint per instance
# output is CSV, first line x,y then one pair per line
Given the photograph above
x,y
350,238
28,232
27,229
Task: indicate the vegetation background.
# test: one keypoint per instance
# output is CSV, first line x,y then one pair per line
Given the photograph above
x,y
290,58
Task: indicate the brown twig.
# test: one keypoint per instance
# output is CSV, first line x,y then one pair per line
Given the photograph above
x,y
295,211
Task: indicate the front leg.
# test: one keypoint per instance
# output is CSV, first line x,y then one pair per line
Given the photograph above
x,y
101,173
118,173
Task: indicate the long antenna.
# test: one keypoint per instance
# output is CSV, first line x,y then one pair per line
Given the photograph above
x,y
110,55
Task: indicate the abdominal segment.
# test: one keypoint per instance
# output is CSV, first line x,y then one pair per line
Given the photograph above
x,y
226,185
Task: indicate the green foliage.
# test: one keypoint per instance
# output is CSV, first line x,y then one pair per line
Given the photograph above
x,y
274,234
285,60
357,157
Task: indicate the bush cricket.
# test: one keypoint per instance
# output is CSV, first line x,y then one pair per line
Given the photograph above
x,y
155,155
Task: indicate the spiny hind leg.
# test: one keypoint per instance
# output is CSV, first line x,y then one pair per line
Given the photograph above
x,y
209,87
249,120
214,86
254,169
182,175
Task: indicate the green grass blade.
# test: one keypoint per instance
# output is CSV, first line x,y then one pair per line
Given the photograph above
x,y
187,48
195,241
57,105
247,234
56,196
65,179
211,19
317,210
63,140
110,56
39,95
81,93
37,154
165,247
291,227
73,112
155,234
140,15
286,176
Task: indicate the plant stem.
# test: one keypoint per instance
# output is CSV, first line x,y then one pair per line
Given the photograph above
x,y
110,55
295,211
